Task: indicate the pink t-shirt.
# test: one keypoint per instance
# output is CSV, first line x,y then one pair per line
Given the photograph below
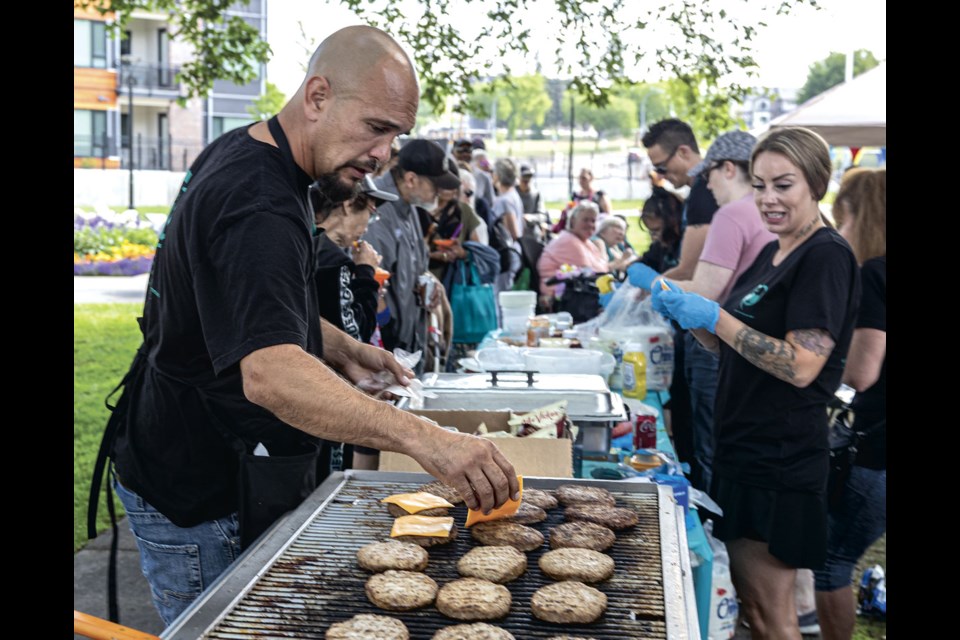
x,y
735,238
568,248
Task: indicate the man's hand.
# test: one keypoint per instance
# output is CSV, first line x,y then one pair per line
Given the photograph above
x,y
473,466
365,365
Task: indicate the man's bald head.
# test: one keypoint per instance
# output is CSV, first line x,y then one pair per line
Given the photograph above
x,y
360,93
356,57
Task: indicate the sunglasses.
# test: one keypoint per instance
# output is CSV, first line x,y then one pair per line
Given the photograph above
x,y
468,193
662,167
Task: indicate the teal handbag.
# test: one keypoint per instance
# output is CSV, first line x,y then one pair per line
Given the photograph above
x,y
473,304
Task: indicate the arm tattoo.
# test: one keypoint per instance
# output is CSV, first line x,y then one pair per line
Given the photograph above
x,y
816,341
776,357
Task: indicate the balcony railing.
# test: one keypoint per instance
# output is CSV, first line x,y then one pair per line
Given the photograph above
x,y
163,154
149,77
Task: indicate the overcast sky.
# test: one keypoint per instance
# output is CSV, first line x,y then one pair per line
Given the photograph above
x,y
784,50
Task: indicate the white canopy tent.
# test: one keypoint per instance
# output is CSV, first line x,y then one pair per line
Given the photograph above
x,y
852,114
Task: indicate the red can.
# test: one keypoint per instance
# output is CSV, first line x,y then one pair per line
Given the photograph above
x,y
645,432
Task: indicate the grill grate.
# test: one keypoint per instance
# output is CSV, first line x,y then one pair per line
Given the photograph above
x,y
316,581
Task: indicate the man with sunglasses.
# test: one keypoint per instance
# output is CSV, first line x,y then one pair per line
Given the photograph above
x,y
673,151
231,403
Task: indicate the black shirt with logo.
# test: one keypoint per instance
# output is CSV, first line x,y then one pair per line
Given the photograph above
x,y
233,273
771,433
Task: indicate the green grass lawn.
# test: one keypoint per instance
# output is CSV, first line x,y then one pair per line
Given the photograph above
x,y
105,337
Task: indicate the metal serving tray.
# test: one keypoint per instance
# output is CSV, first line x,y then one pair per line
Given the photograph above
x,y
301,576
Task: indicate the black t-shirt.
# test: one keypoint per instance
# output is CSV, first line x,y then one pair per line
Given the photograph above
x,y
661,257
233,273
771,433
869,407
700,204
347,292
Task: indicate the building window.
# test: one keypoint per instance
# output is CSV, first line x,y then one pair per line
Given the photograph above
x,y
89,133
125,43
89,44
222,124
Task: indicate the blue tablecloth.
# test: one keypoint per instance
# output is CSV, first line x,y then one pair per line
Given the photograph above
x,y
696,538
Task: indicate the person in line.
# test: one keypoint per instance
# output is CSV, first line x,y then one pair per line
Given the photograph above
x,y
734,239
860,516
673,150
574,247
346,288
508,212
420,172
235,352
588,193
452,221
612,239
468,197
783,335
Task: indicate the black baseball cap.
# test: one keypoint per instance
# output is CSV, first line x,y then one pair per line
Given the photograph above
x,y
426,158
463,142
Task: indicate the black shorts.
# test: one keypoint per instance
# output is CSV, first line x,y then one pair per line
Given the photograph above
x,y
792,523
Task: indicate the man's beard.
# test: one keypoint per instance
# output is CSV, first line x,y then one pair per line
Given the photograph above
x,y
333,189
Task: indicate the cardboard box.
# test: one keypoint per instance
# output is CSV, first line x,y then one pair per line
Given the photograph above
x,y
541,457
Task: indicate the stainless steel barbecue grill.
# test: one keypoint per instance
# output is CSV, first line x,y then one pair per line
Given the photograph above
x,y
302,575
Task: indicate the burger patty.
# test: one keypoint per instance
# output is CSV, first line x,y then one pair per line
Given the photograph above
x,y
527,514
429,541
496,564
498,533
475,631
473,599
445,491
539,498
392,554
615,518
367,626
568,601
396,511
571,494
401,590
572,563
585,535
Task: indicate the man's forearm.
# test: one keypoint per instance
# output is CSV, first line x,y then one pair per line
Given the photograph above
x,y
304,393
337,345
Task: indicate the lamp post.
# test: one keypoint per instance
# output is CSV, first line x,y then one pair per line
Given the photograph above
x,y
570,164
130,81
643,108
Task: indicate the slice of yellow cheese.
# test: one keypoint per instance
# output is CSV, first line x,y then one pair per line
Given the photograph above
x,y
508,508
416,502
431,526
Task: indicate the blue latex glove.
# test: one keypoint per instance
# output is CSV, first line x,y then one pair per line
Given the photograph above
x,y
656,288
640,275
690,310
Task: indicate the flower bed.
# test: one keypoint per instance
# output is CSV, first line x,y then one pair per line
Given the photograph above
x,y
112,245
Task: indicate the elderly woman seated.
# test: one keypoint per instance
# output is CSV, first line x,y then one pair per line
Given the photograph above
x,y
573,247
612,240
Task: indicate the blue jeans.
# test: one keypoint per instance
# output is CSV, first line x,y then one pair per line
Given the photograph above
x,y
855,524
179,563
701,368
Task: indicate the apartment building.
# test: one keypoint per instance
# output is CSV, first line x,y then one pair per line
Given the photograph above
x,y
126,113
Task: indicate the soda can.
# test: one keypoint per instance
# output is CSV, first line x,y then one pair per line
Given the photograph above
x,y
645,432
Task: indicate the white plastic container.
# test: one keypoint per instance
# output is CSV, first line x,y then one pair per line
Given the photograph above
x,y
585,361
657,345
516,307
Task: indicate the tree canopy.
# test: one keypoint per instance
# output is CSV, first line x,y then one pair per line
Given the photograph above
x,y
596,42
830,72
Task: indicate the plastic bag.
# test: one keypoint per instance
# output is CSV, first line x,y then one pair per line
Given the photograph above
x,y
872,595
384,382
723,598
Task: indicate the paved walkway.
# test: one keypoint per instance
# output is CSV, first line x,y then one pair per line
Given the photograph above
x,y
110,288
